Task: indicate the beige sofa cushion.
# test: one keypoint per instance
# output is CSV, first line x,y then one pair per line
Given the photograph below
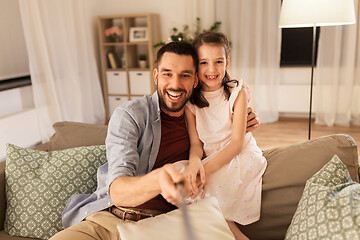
x,y
288,169
74,134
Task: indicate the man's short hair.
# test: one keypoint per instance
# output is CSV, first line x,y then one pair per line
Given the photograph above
x,y
180,48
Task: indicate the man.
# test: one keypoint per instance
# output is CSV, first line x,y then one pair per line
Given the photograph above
x,y
144,137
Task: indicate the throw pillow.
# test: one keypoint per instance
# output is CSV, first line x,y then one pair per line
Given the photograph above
x,y
205,217
38,185
329,207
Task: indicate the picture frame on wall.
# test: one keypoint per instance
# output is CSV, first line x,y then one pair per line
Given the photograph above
x,y
138,34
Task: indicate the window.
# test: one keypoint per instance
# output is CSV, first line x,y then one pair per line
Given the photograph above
x,y
296,46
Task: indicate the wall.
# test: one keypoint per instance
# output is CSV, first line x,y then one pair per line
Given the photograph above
x,y
294,92
20,129
18,120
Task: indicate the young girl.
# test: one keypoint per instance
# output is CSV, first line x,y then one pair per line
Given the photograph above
x,y
216,115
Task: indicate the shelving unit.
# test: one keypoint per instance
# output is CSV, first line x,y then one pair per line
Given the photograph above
x,y
127,80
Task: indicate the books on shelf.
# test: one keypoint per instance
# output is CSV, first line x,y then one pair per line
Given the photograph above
x,y
113,60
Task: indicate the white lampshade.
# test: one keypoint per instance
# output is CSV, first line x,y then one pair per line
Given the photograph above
x,y
307,13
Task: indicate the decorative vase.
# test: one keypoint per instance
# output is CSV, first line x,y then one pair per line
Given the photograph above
x,y
115,38
123,62
142,63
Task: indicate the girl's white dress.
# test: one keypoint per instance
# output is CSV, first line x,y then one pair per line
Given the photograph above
x,y
237,185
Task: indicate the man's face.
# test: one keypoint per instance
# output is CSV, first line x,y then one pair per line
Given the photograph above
x,y
175,78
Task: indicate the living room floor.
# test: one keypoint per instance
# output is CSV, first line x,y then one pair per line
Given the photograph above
x,y
292,130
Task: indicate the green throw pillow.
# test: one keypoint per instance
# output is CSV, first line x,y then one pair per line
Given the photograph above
x,y
329,207
39,184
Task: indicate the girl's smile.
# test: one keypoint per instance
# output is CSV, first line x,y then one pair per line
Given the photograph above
x,y
211,77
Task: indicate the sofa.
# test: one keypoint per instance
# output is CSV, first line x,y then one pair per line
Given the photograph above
x,y
289,167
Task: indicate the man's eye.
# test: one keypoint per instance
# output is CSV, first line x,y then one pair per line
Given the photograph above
x,y
166,74
219,61
201,63
185,76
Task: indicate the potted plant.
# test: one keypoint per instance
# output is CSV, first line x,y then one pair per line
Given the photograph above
x,y
142,60
188,34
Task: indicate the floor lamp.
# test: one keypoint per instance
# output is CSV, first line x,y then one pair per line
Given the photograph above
x,y
315,13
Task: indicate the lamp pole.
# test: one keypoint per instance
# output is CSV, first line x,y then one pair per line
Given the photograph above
x,y
312,76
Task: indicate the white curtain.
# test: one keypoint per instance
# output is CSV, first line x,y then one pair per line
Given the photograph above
x,y
63,68
337,75
252,27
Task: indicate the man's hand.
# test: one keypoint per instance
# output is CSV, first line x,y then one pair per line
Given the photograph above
x,y
252,121
169,175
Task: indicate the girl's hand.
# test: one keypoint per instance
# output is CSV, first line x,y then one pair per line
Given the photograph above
x,y
202,186
208,171
195,175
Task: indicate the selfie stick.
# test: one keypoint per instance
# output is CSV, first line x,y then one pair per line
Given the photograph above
x,y
189,230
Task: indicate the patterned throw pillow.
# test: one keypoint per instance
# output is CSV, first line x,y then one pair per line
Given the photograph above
x,y
329,207
38,185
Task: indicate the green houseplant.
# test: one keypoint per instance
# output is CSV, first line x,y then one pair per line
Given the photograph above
x,y
188,35
142,60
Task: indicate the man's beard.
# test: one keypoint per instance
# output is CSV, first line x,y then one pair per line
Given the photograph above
x,y
172,109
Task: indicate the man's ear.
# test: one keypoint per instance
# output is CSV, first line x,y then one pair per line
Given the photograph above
x,y
156,75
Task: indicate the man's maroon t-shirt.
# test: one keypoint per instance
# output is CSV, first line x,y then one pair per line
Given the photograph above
x,y
174,146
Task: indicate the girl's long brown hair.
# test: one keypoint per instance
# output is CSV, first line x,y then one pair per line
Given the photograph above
x,y
216,38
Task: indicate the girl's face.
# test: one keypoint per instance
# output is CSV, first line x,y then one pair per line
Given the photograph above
x,y
212,66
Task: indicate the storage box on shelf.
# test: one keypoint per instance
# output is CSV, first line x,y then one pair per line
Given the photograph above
x,y
127,38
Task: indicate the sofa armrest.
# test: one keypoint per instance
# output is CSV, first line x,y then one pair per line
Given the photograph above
x,y
2,195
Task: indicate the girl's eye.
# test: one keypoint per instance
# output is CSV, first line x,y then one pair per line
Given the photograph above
x,y
219,61
203,63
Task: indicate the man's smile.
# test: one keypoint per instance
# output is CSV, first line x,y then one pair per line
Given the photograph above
x,y
174,95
